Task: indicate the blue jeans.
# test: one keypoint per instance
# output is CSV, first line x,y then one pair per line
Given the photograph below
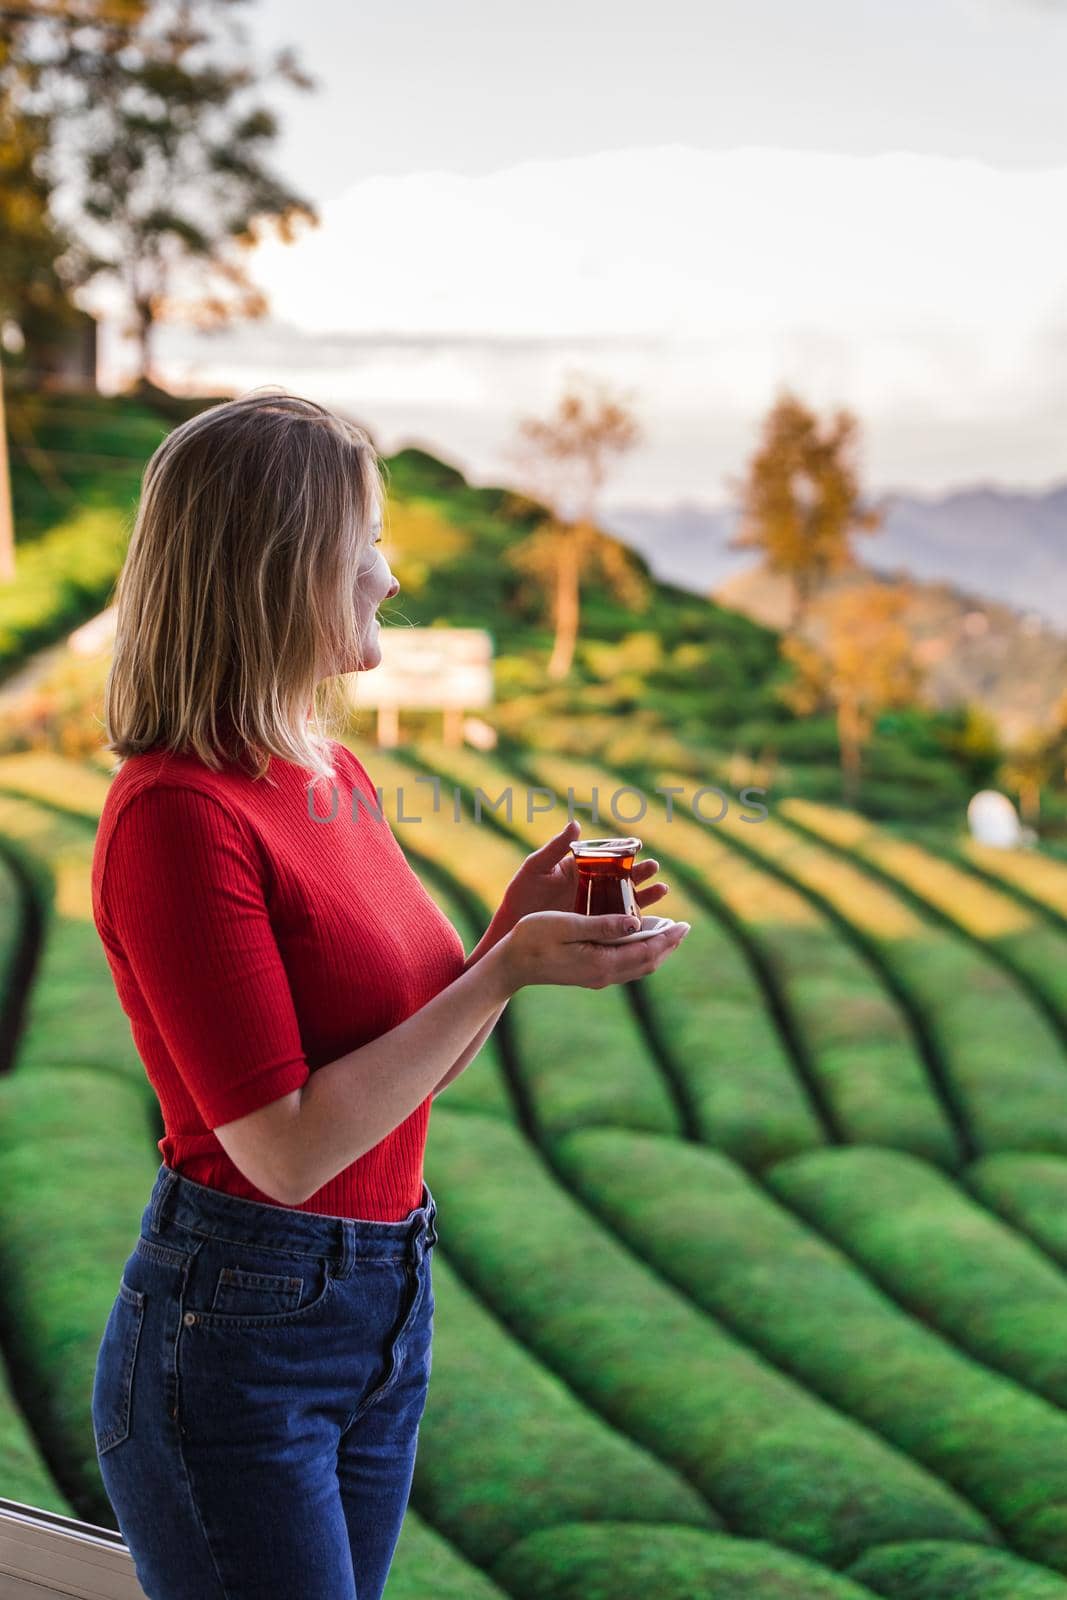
x,y
258,1393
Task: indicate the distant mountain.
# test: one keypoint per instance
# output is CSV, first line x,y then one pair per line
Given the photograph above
x,y
1009,546
686,544
1006,546
971,650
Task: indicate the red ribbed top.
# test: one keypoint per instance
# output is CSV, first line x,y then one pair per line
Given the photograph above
x,y
248,947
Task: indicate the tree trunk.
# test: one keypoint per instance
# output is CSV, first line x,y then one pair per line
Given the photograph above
x,y
7,520
849,737
567,602
1030,801
144,345
800,603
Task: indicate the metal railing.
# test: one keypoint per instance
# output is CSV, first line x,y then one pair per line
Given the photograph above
x,y
42,1553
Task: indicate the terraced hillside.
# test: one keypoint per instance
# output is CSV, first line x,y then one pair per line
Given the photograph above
x,y
750,1276
667,673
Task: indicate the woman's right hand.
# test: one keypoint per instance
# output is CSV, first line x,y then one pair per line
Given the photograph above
x,y
567,947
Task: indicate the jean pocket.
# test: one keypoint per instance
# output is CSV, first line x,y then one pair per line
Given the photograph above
x,y
117,1357
242,1293
236,1286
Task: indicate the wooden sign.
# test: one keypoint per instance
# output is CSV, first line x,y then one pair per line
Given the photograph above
x,y
428,668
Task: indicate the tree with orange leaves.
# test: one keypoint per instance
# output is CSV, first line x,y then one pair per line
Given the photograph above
x,y
1037,761
860,663
800,501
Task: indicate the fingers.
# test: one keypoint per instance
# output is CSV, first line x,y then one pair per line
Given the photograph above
x,y
648,949
623,963
654,892
593,930
556,848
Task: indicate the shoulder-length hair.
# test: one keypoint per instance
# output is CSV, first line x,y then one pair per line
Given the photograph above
x,y
237,597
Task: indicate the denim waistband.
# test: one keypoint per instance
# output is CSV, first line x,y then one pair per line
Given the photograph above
x,y
179,1202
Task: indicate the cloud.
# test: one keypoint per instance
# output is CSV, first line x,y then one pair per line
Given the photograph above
x,y
676,242
923,291
1000,7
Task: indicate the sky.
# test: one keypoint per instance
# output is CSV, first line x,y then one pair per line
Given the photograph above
x,y
696,204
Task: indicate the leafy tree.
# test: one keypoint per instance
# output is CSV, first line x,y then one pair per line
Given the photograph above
x,y
564,458
32,294
161,151
969,733
860,664
1036,762
800,500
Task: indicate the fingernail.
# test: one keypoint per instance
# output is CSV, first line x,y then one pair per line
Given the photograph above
x,y
685,926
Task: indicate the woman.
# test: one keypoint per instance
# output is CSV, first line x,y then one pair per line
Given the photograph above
x,y
297,999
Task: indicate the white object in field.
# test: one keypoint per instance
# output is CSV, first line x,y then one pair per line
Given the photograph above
x,y
427,668
479,733
993,820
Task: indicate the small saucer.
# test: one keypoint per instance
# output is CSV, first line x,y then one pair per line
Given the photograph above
x,y
649,926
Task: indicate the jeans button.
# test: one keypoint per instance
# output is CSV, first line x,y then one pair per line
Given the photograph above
x,y
189,1318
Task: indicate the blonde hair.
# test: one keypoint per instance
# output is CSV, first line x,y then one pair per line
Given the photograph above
x,y
238,592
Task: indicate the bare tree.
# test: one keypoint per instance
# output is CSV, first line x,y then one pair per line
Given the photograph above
x,y
563,461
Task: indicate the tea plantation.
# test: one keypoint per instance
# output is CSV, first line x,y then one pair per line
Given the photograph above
x,y
749,1281
752,1275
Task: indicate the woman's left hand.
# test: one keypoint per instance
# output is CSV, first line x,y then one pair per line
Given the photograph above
x,y
548,879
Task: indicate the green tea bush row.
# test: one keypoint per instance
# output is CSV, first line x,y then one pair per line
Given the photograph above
x,y
424,1563
931,1570
979,1023
941,1256
638,1560
773,1460
24,1475
506,1446
481,1086
76,1169
806,1307
74,1015
854,1043
1029,1192
1030,944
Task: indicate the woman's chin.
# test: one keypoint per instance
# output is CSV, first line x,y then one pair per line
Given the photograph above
x,y
372,657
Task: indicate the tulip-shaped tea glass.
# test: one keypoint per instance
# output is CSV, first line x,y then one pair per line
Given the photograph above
x,y
605,883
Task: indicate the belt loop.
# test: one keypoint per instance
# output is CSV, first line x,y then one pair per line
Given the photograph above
x,y
166,1184
348,1248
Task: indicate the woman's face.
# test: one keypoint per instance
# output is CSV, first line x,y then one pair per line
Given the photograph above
x,y
375,584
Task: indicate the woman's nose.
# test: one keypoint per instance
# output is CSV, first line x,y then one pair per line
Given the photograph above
x,y
394,588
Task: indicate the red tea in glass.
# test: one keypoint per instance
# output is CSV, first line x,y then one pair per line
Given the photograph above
x,y
604,876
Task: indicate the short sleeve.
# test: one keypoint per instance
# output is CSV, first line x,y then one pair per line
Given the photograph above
x,y
182,897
